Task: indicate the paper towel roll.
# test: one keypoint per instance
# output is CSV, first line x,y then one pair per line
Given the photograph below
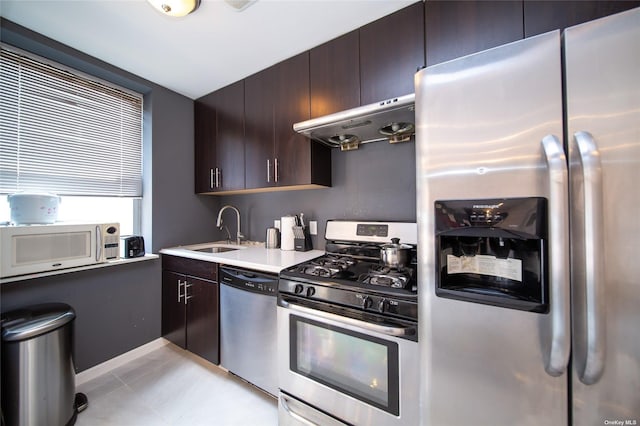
x,y
286,232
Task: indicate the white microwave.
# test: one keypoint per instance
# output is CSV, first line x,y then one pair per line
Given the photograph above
x,y
30,249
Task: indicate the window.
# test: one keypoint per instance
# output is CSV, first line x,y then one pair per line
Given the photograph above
x,y
70,134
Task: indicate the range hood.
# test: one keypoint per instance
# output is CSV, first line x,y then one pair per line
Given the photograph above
x,y
392,120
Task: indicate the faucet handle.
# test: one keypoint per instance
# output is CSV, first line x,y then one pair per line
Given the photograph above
x,y
239,237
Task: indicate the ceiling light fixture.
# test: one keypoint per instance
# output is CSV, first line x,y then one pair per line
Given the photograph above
x,y
240,5
175,7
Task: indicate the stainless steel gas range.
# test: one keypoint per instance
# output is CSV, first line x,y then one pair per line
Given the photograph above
x,y
347,330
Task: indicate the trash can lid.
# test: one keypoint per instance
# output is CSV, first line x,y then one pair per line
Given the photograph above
x,y
32,321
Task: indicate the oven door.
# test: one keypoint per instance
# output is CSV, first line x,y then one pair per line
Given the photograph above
x,y
356,371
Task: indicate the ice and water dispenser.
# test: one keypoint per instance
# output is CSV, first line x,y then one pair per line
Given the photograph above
x,y
493,251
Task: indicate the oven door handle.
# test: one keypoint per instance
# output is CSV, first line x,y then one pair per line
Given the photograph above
x,y
388,329
296,416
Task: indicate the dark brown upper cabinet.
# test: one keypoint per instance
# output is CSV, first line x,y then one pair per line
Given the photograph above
x,y
230,136
391,51
458,28
219,140
276,156
335,75
205,143
374,63
543,16
259,125
299,160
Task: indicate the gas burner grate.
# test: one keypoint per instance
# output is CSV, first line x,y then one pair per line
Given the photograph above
x,y
379,269
342,262
388,279
327,266
319,270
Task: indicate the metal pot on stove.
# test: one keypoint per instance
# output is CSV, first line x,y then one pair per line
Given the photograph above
x,y
395,255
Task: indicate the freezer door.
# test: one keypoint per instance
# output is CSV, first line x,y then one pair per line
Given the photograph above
x,y
603,112
489,125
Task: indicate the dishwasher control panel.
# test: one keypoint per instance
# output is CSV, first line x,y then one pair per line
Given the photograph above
x,y
256,282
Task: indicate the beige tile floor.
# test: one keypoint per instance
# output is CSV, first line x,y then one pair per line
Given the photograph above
x,y
170,386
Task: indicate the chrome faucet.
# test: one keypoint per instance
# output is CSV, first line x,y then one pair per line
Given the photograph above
x,y
239,235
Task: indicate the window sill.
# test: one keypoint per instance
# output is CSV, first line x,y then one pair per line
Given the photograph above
x,y
81,268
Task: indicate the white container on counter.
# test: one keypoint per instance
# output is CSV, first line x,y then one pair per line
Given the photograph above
x,y
29,208
286,232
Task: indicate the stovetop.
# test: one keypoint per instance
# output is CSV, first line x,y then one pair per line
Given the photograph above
x,y
348,271
352,275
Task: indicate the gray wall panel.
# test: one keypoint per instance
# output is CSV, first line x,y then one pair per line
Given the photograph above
x,y
179,215
117,307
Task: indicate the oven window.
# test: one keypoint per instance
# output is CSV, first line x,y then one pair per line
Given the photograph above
x,y
356,364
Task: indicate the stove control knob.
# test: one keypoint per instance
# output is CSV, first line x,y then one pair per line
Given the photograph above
x,y
367,302
383,306
310,291
298,289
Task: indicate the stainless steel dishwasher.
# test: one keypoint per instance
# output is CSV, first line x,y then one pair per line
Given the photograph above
x,y
248,326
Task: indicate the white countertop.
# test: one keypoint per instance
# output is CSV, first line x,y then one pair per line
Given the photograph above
x,y
251,256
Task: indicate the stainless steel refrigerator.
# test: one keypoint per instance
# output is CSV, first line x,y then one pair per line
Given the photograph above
x,y
528,180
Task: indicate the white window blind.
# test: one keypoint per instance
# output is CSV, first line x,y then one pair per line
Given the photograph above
x,y
65,133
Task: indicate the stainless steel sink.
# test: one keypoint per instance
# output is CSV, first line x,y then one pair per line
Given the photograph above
x,y
215,249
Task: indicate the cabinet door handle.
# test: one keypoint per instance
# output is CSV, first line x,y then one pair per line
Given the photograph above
x,y
211,183
180,284
187,296
218,177
268,170
275,170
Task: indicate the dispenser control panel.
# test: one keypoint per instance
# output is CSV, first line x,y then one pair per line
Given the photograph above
x,y
493,251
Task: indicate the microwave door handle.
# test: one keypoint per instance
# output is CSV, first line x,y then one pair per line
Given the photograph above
x,y
98,244
558,357
594,258
388,329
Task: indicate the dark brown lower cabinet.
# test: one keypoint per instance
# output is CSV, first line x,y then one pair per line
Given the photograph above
x,y
190,306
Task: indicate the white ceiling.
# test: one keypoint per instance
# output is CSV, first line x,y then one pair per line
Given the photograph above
x,y
201,52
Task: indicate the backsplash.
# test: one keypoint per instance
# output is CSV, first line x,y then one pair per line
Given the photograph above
x,y
376,182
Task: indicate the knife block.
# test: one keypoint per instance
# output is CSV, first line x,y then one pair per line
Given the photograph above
x,y
302,240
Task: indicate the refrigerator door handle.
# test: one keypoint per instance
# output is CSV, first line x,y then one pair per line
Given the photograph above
x,y
558,256
594,266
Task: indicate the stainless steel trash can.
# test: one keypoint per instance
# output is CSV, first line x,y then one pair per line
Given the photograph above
x,y
38,376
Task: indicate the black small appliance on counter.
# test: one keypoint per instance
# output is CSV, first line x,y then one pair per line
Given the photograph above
x,y
131,246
